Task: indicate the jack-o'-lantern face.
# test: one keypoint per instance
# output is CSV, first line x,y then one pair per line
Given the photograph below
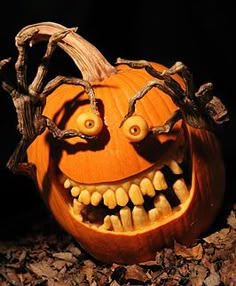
x,y
126,193
123,173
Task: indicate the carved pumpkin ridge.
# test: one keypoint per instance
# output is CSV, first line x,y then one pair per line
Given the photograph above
x,y
106,201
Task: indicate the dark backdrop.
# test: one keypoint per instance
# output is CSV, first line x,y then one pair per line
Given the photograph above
x,y
198,34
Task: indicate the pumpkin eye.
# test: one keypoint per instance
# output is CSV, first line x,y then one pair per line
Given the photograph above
x,y
89,123
135,128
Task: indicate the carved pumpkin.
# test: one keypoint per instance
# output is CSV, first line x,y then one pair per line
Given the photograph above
x,y
121,197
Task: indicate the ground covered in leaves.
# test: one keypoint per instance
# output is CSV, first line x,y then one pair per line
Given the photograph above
x,y
49,256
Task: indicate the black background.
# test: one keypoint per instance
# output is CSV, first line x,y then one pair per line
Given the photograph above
x,y
199,34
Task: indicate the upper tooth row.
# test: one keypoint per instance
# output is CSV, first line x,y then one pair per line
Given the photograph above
x,y
120,196
156,177
112,198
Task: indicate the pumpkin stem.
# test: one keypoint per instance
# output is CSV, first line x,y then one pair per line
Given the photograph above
x,y
91,63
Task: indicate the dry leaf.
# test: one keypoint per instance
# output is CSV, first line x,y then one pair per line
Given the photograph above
x,y
67,256
231,220
213,279
52,282
228,271
87,271
12,277
74,250
198,275
195,252
42,269
60,264
225,238
135,272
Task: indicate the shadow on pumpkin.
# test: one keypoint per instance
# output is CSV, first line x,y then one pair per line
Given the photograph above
x,y
57,146
150,147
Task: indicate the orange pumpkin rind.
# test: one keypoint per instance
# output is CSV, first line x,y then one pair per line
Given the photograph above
x,y
121,191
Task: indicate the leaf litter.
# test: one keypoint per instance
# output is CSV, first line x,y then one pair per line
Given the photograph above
x,y
49,256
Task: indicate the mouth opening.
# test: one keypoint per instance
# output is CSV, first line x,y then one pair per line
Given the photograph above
x,y
135,203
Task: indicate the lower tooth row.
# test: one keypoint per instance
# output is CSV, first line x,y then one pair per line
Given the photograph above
x,y
135,219
127,219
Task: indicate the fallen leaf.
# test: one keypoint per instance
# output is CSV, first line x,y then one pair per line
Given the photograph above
x,y
228,270
87,271
74,250
67,256
213,279
114,283
42,269
59,264
12,277
135,272
194,252
225,238
198,275
231,220
52,282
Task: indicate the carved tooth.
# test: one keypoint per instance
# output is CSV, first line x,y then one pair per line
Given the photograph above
x,y
89,188
96,198
126,185
180,151
126,220
143,187
67,184
135,195
79,217
162,204
109,199
180,158
175,168
140,217
101,188
85,197
106,223
154,215
147,188
121,197
75,191
181,190
159,181
77,207
116,224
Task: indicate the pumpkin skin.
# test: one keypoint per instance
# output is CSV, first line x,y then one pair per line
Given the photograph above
x,y
112,160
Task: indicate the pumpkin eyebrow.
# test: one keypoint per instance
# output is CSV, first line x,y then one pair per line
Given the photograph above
x,y
200,109
58,80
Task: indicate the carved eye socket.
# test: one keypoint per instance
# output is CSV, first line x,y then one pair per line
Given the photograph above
x,y
89,123
135,128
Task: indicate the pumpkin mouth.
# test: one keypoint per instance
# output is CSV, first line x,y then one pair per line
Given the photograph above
x,y
136,203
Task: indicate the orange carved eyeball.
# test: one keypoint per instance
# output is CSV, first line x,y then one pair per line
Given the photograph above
x,y
135,128
89,123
